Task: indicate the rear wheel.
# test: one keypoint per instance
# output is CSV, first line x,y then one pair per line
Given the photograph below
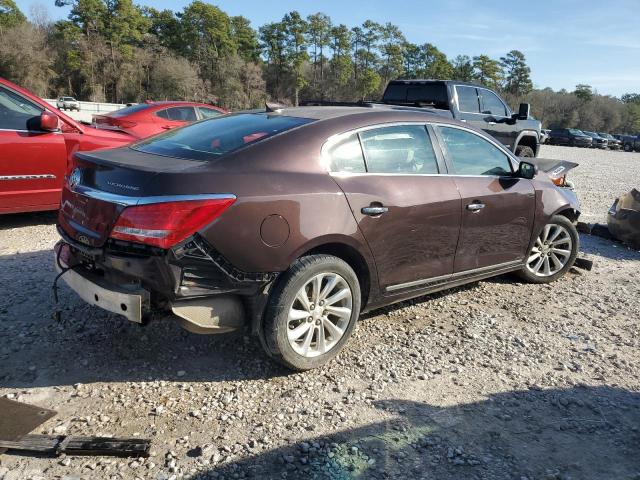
x,y
312,312
553,252
524,151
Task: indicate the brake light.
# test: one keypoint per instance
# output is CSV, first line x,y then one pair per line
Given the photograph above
x,y
165,224
560,181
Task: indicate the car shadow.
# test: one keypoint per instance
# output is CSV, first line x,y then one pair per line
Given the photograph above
x,y
91,345
36,350
583,432
19,220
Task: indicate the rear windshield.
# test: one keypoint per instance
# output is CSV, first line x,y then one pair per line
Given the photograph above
x,y
129,110
212,138
434,93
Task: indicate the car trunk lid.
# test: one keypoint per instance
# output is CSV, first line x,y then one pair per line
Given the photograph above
x,y
101,184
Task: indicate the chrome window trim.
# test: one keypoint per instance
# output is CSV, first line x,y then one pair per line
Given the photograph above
x,y
337,137
333,139
37,176
129,201
56,132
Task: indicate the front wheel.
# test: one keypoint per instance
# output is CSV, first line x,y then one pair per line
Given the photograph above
x,y
553,252
312,312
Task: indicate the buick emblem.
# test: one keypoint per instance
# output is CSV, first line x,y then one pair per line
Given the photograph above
x,y
74,178
84,239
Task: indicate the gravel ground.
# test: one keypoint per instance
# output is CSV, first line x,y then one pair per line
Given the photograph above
x,y
495,380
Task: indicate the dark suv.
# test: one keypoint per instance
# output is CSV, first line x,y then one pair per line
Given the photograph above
x,y
571,137
292,222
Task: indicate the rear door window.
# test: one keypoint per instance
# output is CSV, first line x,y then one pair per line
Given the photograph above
x,y
404,149
182,114
345,155
162,114
209,112
491,103
470,154
467,99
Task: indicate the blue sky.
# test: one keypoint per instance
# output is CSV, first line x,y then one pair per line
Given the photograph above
x,y
566,42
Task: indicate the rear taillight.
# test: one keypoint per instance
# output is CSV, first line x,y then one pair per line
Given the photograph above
x,y
165,224
560,181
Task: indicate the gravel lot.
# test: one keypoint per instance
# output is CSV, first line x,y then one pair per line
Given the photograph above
x,y
495,380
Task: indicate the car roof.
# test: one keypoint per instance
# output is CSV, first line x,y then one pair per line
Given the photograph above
x,y
374,110
178,103
414,81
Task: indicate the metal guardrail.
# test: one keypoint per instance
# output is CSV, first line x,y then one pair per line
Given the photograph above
x,y
93,107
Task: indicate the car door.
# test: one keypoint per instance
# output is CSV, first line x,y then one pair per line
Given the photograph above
x,y
495,114
497,207
176,116
408,212
32,162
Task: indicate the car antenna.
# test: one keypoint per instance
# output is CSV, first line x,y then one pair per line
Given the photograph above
x,y
272,107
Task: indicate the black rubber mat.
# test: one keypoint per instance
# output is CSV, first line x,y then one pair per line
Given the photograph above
x,y
17,419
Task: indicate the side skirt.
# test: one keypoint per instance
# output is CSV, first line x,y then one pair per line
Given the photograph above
x,y
406,291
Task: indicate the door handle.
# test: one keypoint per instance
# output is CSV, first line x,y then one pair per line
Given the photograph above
x,y
167,127
475,207
374,211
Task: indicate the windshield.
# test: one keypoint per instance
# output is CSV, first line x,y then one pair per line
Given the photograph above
x,y
69,99
574,131
212,138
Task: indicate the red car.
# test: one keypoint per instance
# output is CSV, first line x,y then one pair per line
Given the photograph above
x,y
36,141
146,119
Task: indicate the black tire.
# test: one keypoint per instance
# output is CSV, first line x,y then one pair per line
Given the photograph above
x,y
627,148
530,277
274,336
524,151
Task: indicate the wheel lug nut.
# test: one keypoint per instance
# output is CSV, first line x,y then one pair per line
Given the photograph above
x,y
309,319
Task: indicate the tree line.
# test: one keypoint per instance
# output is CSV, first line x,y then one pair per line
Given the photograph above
x,y
116,51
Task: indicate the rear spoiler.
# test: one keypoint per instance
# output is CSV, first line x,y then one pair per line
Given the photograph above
x,y
552,167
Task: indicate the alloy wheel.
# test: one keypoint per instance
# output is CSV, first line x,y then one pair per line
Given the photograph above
x,y
551,252
319,314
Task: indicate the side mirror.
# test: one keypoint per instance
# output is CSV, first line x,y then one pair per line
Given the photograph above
x,y
523,111
527,170
49,122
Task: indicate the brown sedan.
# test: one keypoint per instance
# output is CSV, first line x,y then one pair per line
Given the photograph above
x,y
292,222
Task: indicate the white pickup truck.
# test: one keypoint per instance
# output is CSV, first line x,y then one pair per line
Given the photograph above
x,y
68,103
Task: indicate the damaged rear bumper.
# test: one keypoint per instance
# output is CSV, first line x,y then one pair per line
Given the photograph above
x,y
132,303
141,287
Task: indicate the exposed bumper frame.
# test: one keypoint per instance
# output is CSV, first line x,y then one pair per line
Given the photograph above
x,y
130,303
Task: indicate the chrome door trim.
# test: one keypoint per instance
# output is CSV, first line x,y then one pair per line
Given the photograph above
x,y
39,176
454,276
